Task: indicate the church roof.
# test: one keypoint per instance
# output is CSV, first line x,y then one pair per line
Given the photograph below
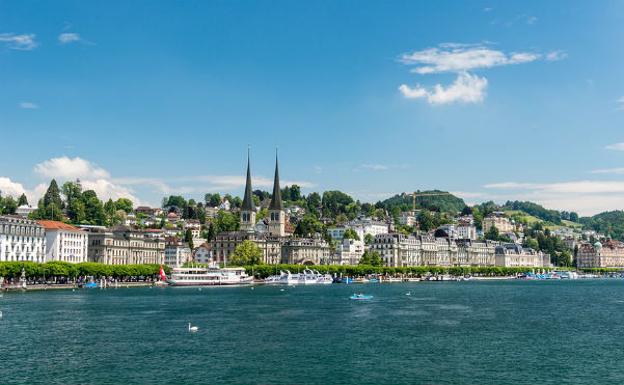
x,y
248,204
276,199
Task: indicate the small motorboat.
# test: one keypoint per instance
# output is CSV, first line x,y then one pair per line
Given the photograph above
x,y
91,285
361,297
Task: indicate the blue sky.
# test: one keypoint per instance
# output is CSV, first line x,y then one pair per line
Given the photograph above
x,y
490,100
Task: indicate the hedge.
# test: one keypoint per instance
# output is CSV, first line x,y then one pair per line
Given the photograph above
x,y
70,270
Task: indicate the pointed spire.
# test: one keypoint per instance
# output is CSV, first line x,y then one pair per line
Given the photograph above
x,y
276,199
248,204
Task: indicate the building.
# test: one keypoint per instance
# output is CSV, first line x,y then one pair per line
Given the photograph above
x,y
349,252
277,216
21,240
24,210
397,250
65,243
225,243
475,253
177,253
306,251
465,228
498,220
514,255
361,227
203,254
194,225
609,253
248,208
407,218
122,246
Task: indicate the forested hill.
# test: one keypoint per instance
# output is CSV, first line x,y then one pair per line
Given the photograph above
x,y
434,200
610,223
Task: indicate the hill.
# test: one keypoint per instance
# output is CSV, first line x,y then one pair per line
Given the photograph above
x,y
434,200
610,223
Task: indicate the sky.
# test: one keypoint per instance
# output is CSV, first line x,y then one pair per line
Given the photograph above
x,y
491,100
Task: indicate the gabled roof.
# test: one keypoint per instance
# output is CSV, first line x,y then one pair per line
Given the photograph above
x,y
56,225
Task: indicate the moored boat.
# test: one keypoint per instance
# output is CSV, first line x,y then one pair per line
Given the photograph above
x,y
212,276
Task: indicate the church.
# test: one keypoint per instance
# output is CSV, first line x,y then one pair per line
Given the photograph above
x,y
272,234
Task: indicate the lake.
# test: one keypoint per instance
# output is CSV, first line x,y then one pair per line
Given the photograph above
x,y
475,332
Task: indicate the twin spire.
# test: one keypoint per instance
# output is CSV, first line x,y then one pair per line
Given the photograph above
x,y
276,199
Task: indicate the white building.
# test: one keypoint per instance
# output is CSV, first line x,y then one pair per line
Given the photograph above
x,y
24,210
21,240
64,242
195,226
349,252
203,254
407,218
513,255
177,254
500,221
397,249
361,228
466,231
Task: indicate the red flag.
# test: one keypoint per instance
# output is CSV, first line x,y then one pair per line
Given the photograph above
x,y
163,277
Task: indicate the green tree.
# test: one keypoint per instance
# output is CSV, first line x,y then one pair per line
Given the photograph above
x,y
188,238
94,208
226,221
212,200
314,203
371,258
351,234
308,225
425,220
75,207
369,239
247,253
22,200
124,204
492,234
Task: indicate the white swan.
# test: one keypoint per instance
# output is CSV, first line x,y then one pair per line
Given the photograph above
x,y
192,329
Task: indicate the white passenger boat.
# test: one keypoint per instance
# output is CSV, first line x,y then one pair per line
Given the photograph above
x,y
211,276
308,277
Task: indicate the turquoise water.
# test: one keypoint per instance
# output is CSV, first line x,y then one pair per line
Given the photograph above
x,y
444,333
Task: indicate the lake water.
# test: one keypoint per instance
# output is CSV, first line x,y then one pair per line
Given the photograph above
x,y
505,332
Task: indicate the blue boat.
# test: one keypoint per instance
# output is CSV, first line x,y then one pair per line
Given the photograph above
x,y
361,297
90,285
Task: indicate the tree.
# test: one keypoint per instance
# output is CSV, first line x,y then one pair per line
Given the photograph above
x,y
372,258
22,200
211,232
94,208
492,234
425,220
295,193
51,205
124,204
226,221
574,217
188,238
308,225
369,239
247,253
314,204
351,234
75,208
9,205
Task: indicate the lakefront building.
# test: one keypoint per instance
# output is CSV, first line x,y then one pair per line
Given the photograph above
x,y
609,253
514,255
397,249
21,240
306,251
64,242
177,253
123,246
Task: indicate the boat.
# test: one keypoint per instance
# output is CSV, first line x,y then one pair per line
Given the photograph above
x,y
308,277
209,276
361,297
90,285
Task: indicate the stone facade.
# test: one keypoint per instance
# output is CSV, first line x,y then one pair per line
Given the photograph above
x,y
306,251
498,220
65,242
121,246
21,240
609,254
225,243
513,255
177,253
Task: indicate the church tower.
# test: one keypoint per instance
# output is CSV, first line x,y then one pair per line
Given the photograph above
x,y
248,209
277,217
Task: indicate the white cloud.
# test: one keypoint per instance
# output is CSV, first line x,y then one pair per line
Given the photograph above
x,y
24,42
68,37
374,167
466,88
8,187
556,55
105,189
531,20
620,103
619,170
453,57
28,105
615,146
65,168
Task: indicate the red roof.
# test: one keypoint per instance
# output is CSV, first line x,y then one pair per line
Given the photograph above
x,y
56,225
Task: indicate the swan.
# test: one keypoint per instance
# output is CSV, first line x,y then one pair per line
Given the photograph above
x,y
192,329
408,293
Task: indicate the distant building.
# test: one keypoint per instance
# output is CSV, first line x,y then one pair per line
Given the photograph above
x,y
122,246
498,220
195,226
349,252
465,228
514,255
203,254
24,210
64,242
407,218
608,254
21,240
177,253
306,251
225,243
361,227
397,250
